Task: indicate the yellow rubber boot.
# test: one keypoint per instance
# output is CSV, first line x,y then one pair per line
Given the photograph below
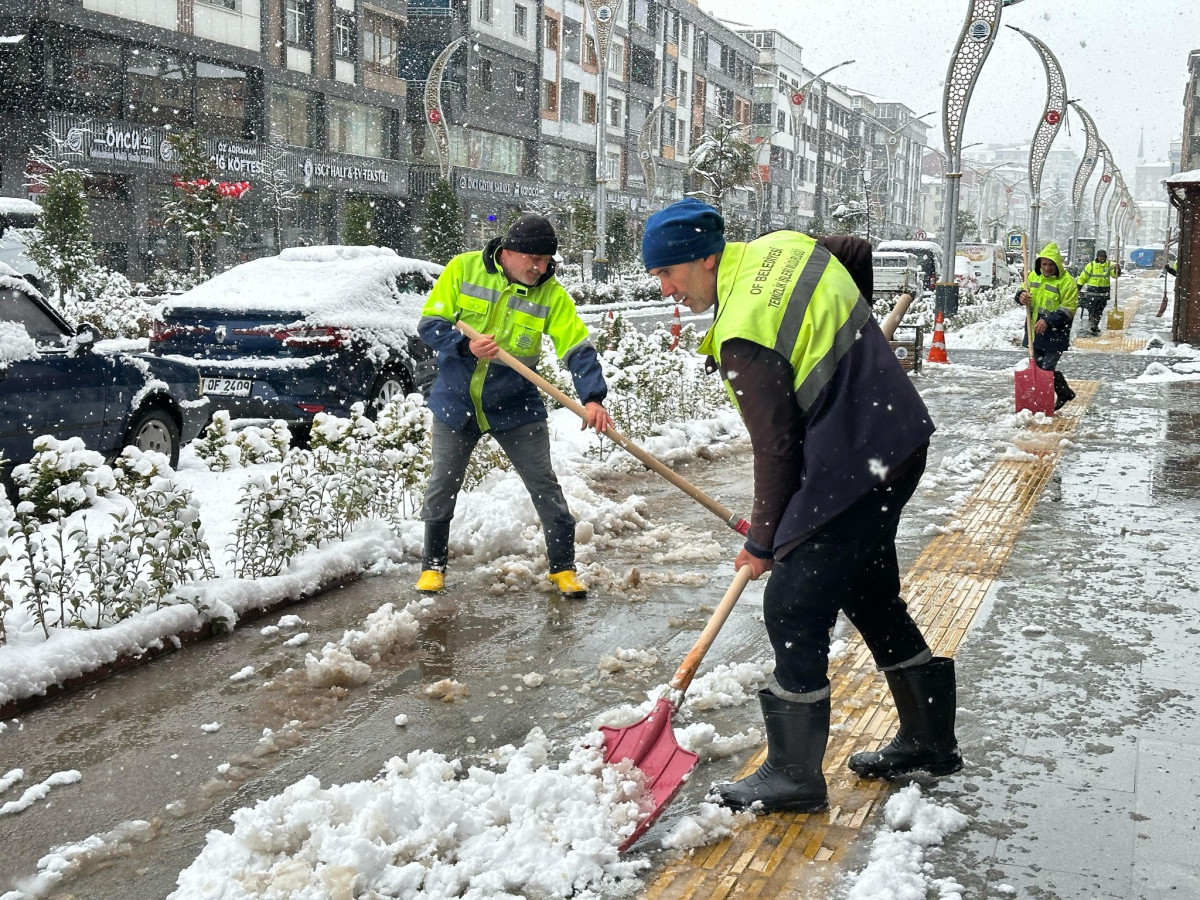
x,y
431,581
568,584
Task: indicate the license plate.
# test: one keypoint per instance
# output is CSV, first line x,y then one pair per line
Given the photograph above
x,y
229,387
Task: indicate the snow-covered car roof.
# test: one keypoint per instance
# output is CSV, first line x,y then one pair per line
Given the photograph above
x,y
328,285
911,245
20,206
11,279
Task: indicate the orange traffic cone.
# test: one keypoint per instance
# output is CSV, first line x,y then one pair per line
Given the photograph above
x,y
937,347
676,328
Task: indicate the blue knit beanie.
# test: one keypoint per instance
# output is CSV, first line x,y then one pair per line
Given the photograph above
x,y
684,231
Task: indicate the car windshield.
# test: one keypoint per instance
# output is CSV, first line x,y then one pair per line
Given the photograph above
x,y
16,306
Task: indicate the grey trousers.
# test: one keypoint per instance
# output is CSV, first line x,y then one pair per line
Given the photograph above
x,y
528,448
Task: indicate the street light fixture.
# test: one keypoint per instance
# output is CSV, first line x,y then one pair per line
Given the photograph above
x,y
893,160
604,17
797,98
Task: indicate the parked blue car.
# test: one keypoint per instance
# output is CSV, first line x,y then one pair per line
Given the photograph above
x,y
314,329
54,380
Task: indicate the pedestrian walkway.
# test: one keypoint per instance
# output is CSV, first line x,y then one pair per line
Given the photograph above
x,y
1080,736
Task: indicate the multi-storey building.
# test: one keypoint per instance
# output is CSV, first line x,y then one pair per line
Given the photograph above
x,y
325,100
105,81
1190,151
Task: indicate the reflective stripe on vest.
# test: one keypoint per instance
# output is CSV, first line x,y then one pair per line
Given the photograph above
x,y
479,292
812,328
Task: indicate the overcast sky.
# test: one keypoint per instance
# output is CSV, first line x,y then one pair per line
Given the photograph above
x,y
1126,63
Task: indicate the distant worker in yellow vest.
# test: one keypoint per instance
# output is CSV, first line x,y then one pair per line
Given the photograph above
x,y
1095,283
1052,297
508,293
839,436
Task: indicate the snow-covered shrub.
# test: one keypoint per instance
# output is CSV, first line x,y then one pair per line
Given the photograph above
x,y
156,545
153,544
256,444
270,527
136,469
62,477
651,384
486,458
404,445
222,448
107,300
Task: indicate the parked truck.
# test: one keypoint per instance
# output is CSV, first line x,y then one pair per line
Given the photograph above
x,y
928,254
896,272
988,264
1152,256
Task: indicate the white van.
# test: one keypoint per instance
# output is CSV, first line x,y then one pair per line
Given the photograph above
x,y
988,263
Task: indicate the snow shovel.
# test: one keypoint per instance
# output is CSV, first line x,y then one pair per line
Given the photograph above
x,y
650,743
1034,385
733,520
1116,316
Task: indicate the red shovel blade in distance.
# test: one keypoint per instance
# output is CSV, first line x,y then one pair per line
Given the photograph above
x,y
1034,389
650,745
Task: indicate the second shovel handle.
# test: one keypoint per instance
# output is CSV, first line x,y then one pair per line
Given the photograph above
x,y
736,522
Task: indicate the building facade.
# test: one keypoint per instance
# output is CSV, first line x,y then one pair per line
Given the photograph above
x,y
321,104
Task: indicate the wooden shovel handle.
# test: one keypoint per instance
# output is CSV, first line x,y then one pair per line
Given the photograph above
x,y
734,521
687,669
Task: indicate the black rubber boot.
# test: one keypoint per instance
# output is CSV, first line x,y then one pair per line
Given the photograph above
x,y
1062,391
437,544
925,698
791,778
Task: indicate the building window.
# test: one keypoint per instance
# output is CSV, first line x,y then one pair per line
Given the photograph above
x,y
358,129
484,150
781,121
616,60
614,112
92,71
520,80
381,39
297,22
222,95
485,11
223,4
589,108
520,20
549,96
343,34
642,65
566,165
290,113
613,164
158,87
589,50
551,33
572,34
570,101
485,74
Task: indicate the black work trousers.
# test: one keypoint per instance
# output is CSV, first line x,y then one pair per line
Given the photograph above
x,y
849,565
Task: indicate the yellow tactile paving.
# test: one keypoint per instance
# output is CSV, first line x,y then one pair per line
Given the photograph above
x,y
1113,340
788,855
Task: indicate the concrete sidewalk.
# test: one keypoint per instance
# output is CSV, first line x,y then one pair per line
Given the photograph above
x,y
1080,682
1070,601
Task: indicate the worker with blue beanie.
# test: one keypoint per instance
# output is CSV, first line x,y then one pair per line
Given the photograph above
x,y
682,232
839,436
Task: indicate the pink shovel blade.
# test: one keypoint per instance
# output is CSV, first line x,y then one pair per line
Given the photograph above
x,y
1035,389
650,745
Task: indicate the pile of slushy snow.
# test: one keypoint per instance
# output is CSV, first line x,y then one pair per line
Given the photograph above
x,y
423,828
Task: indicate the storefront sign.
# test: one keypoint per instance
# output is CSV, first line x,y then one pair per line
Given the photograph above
x,y
503,187
146,147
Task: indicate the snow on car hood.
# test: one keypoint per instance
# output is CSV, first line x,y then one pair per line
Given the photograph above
x,y
344,287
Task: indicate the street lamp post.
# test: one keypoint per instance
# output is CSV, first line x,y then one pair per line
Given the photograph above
x,y
649,172
603,18
974,44
434,115
893,160
1047,128
797,98
1082,175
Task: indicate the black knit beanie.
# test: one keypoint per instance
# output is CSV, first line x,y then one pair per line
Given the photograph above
x,y
531,234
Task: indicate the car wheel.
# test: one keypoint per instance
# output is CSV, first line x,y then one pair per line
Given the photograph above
x,y
155,429
393,384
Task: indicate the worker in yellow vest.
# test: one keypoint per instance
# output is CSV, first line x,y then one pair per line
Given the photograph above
x,y
1095,285
839,436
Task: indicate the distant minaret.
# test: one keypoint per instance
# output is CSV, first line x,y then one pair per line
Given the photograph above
x,y
1142,146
